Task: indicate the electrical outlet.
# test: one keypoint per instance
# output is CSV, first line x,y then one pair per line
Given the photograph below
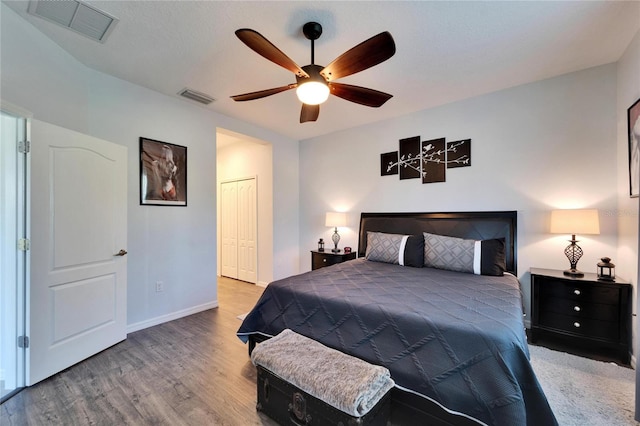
x,y
159,286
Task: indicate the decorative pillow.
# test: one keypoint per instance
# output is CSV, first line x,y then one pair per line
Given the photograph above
x,y
405,250
486,257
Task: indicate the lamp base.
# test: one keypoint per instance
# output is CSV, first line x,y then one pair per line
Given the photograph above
x,y
573,253
574,273
336,239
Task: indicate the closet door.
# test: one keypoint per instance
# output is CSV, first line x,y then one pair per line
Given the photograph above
x,y
229,229
247,224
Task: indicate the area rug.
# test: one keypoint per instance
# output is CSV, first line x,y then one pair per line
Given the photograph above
x,y
584,392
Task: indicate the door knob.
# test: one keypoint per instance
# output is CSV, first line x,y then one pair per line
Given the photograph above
x,y
122,252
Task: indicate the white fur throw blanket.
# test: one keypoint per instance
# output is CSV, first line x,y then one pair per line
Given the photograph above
x,y
342,381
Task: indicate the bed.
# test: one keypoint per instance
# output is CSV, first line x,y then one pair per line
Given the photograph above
x,y
453,341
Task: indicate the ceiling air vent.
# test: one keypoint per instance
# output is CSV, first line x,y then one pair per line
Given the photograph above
x,y
76,16
196,96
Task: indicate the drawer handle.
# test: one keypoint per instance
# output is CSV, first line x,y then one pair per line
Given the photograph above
x,y
324,260
577,308
576,324
576,292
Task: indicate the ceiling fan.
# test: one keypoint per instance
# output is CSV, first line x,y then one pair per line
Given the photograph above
x,y
314,82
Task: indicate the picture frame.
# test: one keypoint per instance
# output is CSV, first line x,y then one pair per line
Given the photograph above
x,y
409,158
633,131
389,163
434,161
163,173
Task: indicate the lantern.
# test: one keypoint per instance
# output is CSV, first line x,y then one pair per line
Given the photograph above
x,y
606,270
320,244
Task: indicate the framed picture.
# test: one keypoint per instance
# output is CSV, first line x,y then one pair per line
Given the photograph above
x,y
633,120
409,160
434,161
163,173
389,163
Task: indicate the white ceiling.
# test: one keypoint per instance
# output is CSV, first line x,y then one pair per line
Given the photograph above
x,y
446,51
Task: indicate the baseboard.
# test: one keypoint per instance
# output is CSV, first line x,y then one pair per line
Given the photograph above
x,y
170,317
262,284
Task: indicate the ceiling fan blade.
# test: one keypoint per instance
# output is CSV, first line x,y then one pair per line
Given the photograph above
x,y
359,95
262,93
371,52
309,113
265,48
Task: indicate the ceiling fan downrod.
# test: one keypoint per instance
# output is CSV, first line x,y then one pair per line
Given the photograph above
x,y
312,31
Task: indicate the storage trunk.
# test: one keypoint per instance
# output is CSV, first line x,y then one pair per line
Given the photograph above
x,y
288,405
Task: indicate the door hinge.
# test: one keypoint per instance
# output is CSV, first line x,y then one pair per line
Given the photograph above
x,y
23,341
24,244
24,147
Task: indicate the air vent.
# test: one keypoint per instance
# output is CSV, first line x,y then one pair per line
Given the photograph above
x,y
196,96
76,16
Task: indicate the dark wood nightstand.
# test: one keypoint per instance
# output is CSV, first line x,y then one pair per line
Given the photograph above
x,y
320,259
581,315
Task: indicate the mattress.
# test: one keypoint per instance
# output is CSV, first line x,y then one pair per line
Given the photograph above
x,y
455,338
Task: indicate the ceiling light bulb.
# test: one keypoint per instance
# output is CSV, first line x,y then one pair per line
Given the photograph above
x,y
312,92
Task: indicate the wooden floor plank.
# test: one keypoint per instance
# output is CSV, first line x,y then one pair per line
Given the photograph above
x,y
191,371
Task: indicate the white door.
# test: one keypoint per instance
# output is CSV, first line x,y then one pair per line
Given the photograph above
x,y
247,223
239,223
78,227
229,226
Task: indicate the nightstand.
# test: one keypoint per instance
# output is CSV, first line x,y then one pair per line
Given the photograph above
x,y
583,314
320,259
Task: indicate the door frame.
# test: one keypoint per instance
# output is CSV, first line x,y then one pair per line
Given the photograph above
x,y
23,191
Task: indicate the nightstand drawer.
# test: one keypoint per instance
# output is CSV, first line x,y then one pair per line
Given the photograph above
x,y
608,330
590,293
321,259
581,309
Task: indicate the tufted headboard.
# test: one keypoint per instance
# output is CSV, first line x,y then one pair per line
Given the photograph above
x,y
469,225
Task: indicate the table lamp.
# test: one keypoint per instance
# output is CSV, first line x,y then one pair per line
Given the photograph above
x,y
335,219
582,221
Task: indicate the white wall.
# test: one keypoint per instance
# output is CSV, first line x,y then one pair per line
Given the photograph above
x,y
174,244
628,91
628,84
549,144
245,159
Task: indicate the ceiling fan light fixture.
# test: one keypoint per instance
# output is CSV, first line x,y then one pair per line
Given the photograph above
x,y
312,92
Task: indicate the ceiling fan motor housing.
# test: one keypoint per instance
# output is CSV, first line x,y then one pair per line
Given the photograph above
x,y
314,74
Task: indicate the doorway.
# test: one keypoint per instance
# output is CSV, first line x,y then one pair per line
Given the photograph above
x,y
13,253
243,158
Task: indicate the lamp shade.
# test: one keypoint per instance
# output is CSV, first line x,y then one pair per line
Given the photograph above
x,y
574,222
336,219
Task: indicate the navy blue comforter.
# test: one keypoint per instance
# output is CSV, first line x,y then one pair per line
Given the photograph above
x,y
455,338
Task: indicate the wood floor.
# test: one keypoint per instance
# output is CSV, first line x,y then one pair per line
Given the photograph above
x,y
191,371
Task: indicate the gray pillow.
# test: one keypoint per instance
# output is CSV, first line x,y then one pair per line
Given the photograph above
x,y
484,257
405,250
450,253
